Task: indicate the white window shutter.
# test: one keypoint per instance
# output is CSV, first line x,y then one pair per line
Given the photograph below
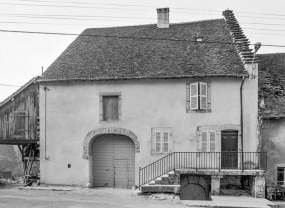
x,y
194,96
203,95
212,141
204,141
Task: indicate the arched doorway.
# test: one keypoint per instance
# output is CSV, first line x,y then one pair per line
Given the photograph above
x,y
113,161
193,187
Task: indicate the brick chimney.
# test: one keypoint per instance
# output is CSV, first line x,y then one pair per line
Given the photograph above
x,y
162,17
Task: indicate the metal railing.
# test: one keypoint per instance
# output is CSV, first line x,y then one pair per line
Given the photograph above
x,y
203,161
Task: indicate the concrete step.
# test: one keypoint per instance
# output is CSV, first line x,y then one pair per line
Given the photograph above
x,y
160,188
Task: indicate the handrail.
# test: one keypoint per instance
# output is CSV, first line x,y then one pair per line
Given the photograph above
x,y
202,161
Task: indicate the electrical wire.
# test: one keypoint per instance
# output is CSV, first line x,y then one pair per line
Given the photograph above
x,y
9,85
130,37
133,5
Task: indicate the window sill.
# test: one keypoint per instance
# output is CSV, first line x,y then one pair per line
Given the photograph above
x,y
117,121
159,153
198,111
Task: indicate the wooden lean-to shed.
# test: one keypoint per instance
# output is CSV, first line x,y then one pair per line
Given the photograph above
x,y
19,122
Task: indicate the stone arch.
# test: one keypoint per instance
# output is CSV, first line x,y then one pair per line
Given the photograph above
x,y
89,138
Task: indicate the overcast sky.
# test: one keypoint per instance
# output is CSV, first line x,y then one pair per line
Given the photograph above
x,y
22,55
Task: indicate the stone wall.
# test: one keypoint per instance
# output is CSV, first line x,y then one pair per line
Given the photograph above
x,y
230,180
257,186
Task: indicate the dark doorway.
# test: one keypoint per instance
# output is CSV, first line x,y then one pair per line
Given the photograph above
x,y
229,158
193,187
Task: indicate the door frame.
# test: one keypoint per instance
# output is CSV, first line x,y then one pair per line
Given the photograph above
x,y
91,163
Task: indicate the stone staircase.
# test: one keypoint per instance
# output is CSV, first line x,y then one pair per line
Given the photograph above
x,y
167,183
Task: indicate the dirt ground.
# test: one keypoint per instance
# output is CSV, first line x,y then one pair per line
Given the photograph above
x,y
11,196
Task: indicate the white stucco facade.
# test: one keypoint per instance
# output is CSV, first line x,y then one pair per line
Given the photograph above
x,y
70,110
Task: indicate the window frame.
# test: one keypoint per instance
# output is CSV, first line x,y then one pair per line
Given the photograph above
x,y
276,167
161,131
193,81
107,94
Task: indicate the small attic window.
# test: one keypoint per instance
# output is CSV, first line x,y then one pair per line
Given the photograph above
x,y
199,39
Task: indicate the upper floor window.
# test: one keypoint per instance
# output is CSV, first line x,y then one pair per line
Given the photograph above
x,y
198,95
110,107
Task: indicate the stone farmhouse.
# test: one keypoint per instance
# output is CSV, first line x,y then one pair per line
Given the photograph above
x,y
167,107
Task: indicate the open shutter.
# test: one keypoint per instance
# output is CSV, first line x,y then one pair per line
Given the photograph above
x,y
194,96
204,141
157,141
203,95
212,141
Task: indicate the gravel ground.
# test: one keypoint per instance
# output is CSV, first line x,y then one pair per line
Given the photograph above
x,y
11,196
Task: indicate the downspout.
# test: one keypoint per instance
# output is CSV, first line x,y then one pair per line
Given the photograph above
x,y
46,89
241,122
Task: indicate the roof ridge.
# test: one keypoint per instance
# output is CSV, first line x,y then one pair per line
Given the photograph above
x,y
154,24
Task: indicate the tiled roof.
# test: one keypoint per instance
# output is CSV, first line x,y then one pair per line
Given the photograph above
x,y
18,91
145,51
272,85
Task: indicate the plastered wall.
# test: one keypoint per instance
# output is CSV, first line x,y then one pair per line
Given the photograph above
x,y
69,110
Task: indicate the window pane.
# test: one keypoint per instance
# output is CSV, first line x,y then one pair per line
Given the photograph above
x,y
158,147
165,147
165,137
157,136
280,183
110,108
280,176
204,147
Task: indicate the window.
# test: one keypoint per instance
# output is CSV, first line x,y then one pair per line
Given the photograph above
x,y
110,107
208,141
198,98
161,140
280,176
199,39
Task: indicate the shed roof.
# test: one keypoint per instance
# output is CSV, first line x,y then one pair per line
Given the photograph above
x,y
272,85
18,91
145,51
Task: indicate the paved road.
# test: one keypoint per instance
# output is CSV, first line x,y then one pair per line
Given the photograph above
x,y
12,197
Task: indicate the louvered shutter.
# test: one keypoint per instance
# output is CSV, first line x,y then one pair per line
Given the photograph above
x,y
203,95
157,142
194,96
212,141
204,141
165,141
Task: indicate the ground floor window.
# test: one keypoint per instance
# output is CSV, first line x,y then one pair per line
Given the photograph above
x,y
161,140
280,175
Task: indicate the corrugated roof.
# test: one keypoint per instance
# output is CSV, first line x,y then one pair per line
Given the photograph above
x,y
272,85
145,51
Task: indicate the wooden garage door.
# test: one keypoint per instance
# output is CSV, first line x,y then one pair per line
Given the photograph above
x,y
114,161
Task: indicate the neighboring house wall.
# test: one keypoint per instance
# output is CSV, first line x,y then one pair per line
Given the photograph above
x,y
72,110
273,142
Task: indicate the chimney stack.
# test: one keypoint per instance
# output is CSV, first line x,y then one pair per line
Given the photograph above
x,y
162,17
